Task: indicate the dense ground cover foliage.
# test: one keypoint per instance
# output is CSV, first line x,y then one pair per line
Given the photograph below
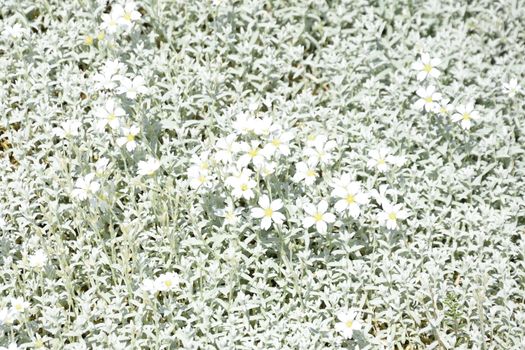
x,y
262,174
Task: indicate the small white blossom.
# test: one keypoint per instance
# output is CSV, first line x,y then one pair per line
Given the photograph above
x,y
305,172
428,98
512,88
318,216
167,282
148,167
85,187
268,212
132,88
465,115
128,138
391,214
348,324
426,67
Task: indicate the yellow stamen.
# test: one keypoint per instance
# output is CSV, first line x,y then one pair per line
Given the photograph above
x,y
349,324
318,217
276,142
381,161
88,40
350,199
427,68
392,216
310,173
244,187
131,137
127,16
428,99
466,116
268,212
253,152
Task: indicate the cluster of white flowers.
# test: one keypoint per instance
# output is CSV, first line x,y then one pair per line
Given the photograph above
x,y
261,175
432,101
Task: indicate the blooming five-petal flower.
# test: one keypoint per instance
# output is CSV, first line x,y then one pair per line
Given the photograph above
x,y
85,187
318,216
351,197
128,138
132,87
268,212
391,214
305,172
465,115
109,114
428,98
348,323
426,67
148,167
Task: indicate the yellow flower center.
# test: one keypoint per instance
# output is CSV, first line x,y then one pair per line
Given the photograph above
x,y
276,142
88,40
381,161
427,68
244,187
428,99
311,137
202,179
253,152
204,165
349,324
101,36
112,117
229,216
168,283
310,173
350,199
127,16
466,116
19,307
268,212
318,217
392,216
443,110
131,137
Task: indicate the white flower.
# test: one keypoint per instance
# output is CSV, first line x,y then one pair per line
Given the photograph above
x,y
14,32
109,74
85,187
426,67
381,159
126,14
225,148
278,143
465,114
148,167
512,87
321,151
351,196
428,98
7,316
380,196
445,108
305,172
198,177
266,168
390,214
128,138
251,153
262,126
110,22
318,216
132,87
243,124
348,323
109,114
230,214
19,305
38,260
242,184
101,165
167,282
67,129
268,211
